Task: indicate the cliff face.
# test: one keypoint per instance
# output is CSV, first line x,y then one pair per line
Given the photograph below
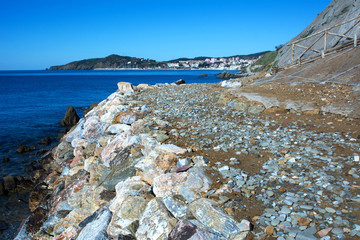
x,y
112,61
337,12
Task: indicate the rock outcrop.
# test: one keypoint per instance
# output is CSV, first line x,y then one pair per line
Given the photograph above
x,y
111,150
71,117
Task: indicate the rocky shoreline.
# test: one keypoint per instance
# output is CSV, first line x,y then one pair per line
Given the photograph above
x,y
187,162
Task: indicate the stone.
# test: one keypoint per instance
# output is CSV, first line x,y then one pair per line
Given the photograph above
x,y
9,183
212,217
324,232
196,184
168,184
2,189
143,86
303,221
125,118
202,75
25,149
92,106
330,210
125,87
157,215
180,82
46,141
118,128
125,219
71,118
183,168
176,204
184,229
94,226
53,220
256,109
93,129
305,236
240,106
5,160
269,230
170,148
118,149
229,83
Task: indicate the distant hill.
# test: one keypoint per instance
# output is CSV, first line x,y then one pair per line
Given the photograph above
x,y
116,61
112,61
202,58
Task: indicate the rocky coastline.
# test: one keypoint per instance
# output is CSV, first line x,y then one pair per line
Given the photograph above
x,y
189,162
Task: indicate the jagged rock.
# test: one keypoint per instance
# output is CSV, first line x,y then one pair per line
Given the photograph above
x,y
131,199
71,117
176,204
117,149
226,75
125,118
212,217
9,183
94,226
125,87
256,109
168,184
184,229
93,129
239,106
2,189
53,220
196,183
143,86
229,83
25,149
92,106
157,215
180,82
46,141
118,128
71,220
170,148
63,152
203,75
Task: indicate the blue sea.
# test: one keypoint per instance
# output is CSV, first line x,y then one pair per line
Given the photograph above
x,y
33,102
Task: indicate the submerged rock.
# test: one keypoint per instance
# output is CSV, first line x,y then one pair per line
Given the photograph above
x,y
25,149
71,117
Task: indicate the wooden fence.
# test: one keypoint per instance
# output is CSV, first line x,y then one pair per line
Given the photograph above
x,y
324,35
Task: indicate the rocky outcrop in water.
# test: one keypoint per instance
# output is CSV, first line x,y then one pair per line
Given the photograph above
x,y
71,117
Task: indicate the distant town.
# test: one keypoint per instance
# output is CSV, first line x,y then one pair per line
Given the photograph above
x,y
116,62
231,63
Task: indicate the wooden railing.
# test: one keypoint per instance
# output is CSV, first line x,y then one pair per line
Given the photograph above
x,y
324,34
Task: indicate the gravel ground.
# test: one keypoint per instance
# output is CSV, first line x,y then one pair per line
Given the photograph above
x,y
291,174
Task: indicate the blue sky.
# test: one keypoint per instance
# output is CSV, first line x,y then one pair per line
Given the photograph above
x,y
40,33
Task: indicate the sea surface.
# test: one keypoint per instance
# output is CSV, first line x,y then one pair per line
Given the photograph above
x,y
33,102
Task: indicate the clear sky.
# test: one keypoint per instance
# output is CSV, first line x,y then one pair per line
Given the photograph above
x,y
36,34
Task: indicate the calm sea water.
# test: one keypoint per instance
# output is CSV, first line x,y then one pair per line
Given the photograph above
x,y
33,102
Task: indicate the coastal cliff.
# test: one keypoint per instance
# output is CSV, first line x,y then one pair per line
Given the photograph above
x,y
193,162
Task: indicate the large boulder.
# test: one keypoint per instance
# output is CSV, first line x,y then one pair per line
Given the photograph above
x,y
212,217
125,87
94,226
71,117
157,215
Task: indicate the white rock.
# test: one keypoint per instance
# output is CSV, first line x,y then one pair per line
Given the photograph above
x,y
170,148
229,83
125,87
156,222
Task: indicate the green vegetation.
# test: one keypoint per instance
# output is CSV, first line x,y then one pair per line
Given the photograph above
x,y
267,58
266,61
345,9
308,33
